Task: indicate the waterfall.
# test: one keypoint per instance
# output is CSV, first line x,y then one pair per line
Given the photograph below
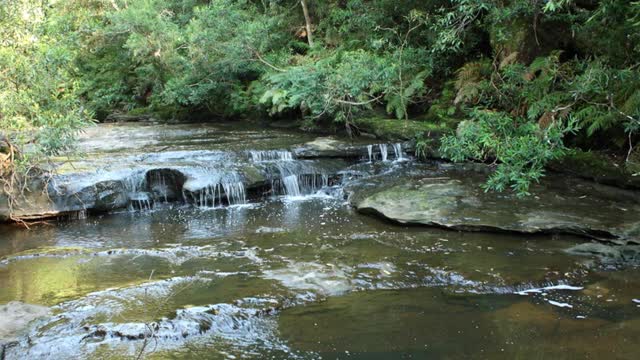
x,y
270,155
140,201
383,151
397,149
134,183
214,195
159,185
235,192
289,177
296,178
209,196
300,184
291,185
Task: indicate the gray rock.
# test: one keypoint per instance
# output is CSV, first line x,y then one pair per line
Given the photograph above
x,y
609,254
330,147
455,200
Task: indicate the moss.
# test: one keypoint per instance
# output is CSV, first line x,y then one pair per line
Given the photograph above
x,y
590,161
393,129
252,175
597,167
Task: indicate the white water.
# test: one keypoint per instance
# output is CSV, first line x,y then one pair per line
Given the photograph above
x,y
236,194
554,287
214,195
383,151
134,183
397,149
159,185
270,155
291,185
140,201
295,178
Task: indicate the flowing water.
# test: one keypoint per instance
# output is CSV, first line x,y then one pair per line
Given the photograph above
x,y
298,274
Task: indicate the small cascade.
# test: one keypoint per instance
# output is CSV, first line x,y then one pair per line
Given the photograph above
x,y
209,197
134,183
291,185
270,155
77,215
297,178
158,185
383,151
136,187
289,177
299,185
223,190
235,192
397,149
140,202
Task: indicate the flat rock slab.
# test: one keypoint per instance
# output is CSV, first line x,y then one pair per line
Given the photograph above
x,y
455,200
342,148
330,147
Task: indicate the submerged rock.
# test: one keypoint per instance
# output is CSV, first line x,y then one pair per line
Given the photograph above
x,y
14,318
609,254
455,200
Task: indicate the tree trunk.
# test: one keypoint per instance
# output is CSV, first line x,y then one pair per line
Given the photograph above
x,y
307,19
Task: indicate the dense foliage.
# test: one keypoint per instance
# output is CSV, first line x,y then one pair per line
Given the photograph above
x,y
531,78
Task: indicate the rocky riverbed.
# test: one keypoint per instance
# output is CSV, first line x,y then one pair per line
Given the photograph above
x,y
219,242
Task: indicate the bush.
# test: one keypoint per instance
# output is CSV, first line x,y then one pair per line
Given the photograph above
x,y
519,148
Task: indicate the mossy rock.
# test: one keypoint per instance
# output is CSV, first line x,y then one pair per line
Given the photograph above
x,y
597,167
455,200
254,178
399,130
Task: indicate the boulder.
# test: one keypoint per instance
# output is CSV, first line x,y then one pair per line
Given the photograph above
x,y
455,200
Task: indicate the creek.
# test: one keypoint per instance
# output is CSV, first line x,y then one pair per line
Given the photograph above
x,y
221,242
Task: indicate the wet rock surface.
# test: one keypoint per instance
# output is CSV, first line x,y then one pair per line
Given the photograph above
x,y
296,272
455,200
15,316
136,166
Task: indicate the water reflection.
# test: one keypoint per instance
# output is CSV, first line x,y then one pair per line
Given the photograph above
x,y
313,278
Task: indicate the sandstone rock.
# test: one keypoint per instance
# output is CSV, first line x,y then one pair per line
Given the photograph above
x,y
456,200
